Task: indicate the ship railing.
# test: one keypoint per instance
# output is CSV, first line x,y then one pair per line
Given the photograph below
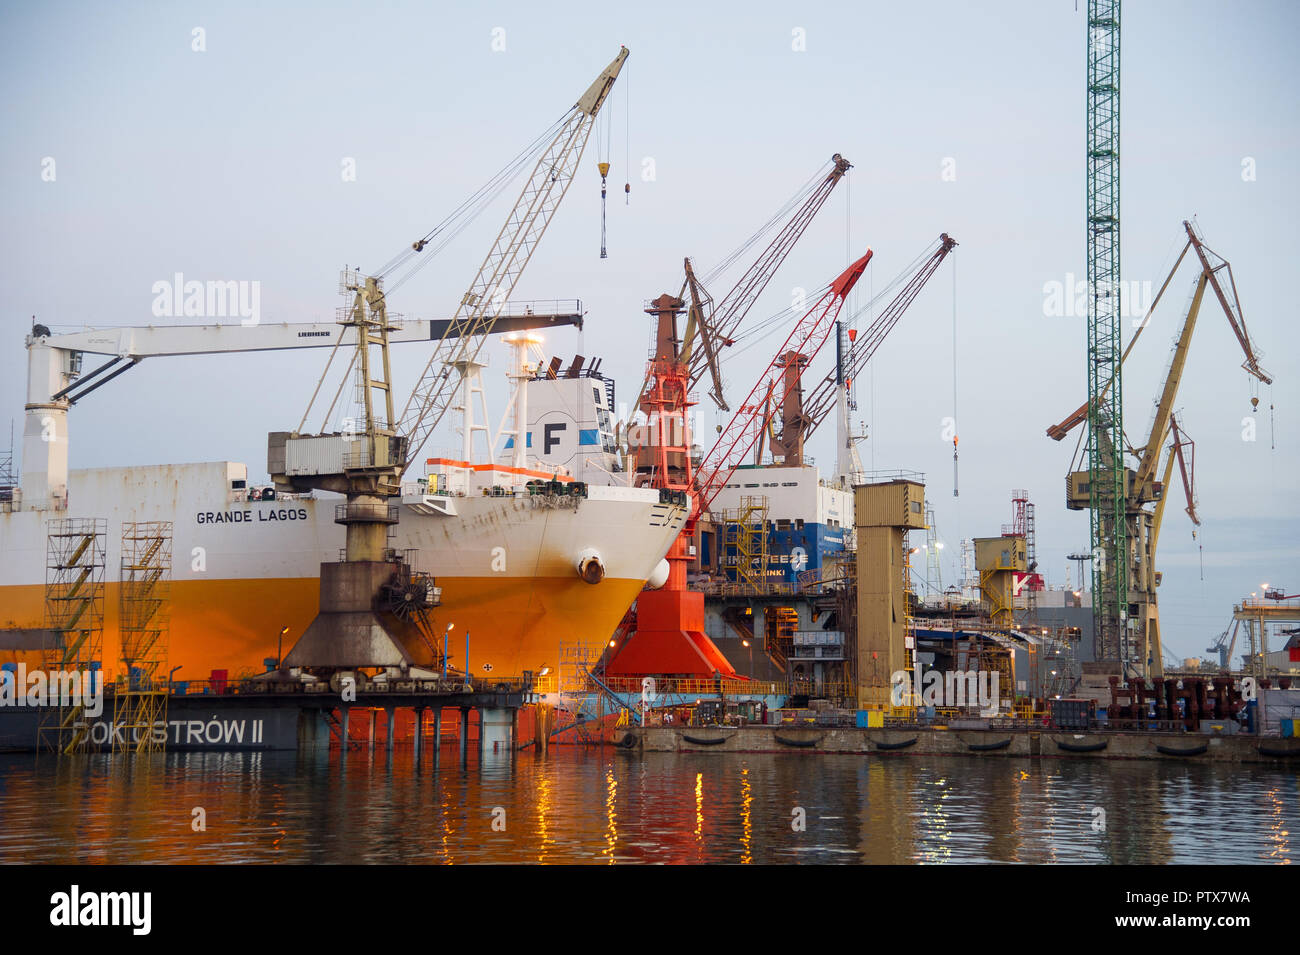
x,y
1271,603
729,588
821,689
355,512
877,477
244,495
1128,725
452,684
686,687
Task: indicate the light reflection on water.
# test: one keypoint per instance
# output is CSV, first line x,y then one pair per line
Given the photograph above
x,y
607,806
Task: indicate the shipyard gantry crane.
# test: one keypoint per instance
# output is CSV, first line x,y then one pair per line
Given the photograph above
x,y
669,637
1142,525
367,463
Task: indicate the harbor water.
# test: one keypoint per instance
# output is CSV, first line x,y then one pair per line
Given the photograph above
x,y
602,806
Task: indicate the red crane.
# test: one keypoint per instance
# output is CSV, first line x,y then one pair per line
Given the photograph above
x,y
669,637
803,415
717,326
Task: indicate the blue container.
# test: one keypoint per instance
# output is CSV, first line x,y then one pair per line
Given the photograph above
x,y
1252,708
1288,727
860,723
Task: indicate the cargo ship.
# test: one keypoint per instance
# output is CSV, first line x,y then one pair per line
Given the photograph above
x,y
520,572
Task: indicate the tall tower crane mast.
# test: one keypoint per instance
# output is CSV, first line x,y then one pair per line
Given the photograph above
x,y
1106,475
436,390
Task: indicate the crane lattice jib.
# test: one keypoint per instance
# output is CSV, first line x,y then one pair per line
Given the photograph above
x,y
742,431
818,405
729,313
1228,300
1183,449
1106,471
496,278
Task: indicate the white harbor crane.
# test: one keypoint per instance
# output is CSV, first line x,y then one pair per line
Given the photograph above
x,y
56,379
367,462
504,264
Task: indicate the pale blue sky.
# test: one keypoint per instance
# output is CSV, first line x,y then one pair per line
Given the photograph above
x,y
225,164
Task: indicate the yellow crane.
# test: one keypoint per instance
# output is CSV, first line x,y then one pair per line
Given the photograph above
x,y
1142,489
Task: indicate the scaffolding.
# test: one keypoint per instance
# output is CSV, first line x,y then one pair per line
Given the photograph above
x,y
933,571
909,620
74,612
140,701
1062,667
982,654
582,699
745,542
779,625
1031,563
970,580
8,476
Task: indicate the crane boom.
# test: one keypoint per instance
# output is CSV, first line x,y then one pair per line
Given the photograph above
x,y
818,405
718,329
741,433
1184,450
1147,482
1231,308
524,227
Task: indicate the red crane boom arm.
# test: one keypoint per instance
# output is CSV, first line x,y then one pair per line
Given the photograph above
x,y
742,431
819,404
735,305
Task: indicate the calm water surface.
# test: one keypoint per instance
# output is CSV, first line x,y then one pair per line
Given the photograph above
x,y
605,806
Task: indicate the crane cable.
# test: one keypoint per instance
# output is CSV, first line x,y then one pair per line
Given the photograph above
x,y
782,213
954,380
457,221
469,210
756,333
627,138
602,164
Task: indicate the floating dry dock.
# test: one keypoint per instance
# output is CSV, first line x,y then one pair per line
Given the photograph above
x,y
259,716
1020,742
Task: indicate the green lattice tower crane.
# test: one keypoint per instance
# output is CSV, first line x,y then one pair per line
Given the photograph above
x,y
1106,471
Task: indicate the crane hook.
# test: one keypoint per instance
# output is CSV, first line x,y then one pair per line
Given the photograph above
x,y
604,171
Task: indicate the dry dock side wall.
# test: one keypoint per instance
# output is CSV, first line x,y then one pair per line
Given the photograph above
x,y
940,742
